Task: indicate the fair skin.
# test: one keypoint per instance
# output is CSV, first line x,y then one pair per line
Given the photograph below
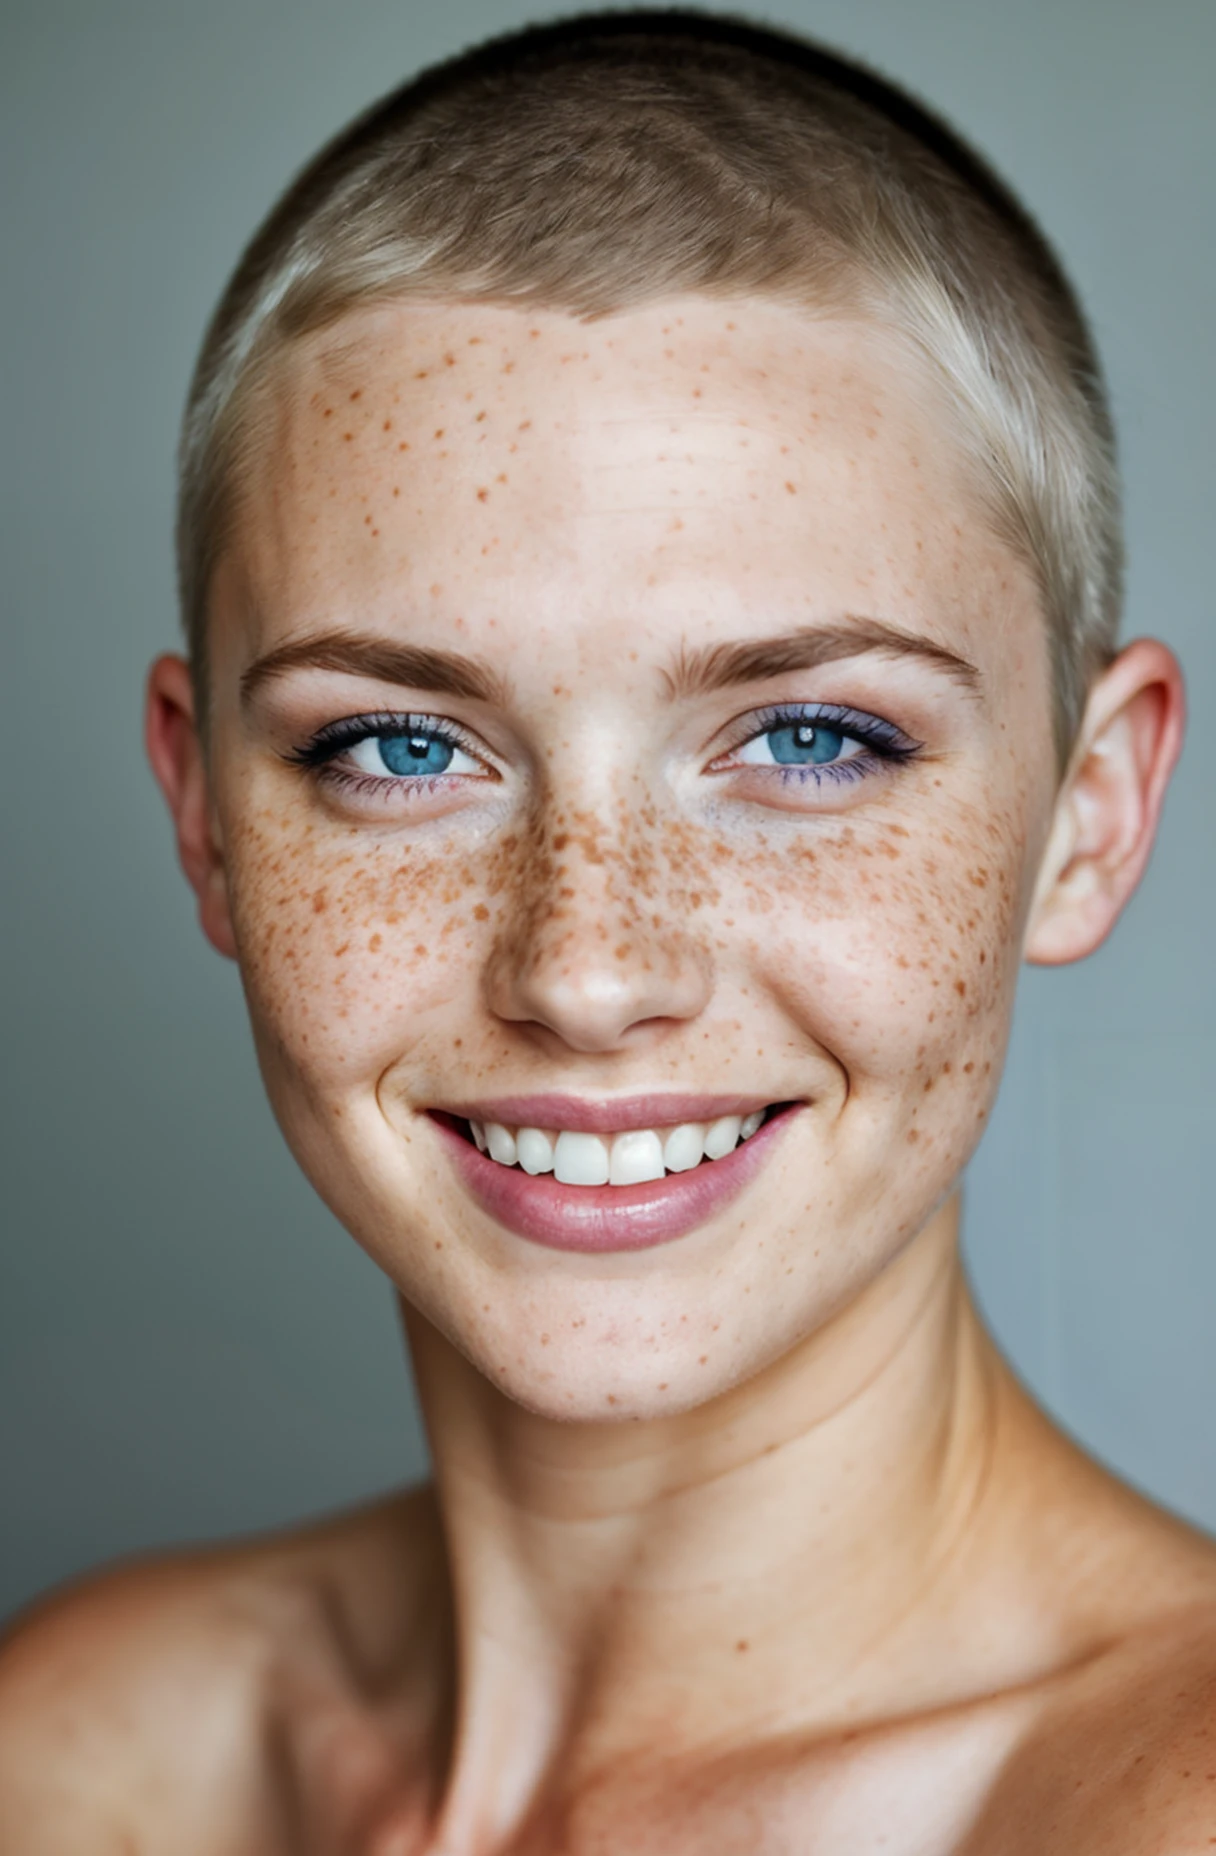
x,y
745,1539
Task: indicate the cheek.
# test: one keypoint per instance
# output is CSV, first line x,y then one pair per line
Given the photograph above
x,y
348,946
896,951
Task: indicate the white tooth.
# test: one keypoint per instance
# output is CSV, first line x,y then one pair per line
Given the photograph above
x,y
684,1146
722,1135
501,1143
479,1135
751,1123
580,1159
535,1150
636,1156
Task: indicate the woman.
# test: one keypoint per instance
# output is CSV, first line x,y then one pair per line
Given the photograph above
x,y
650,563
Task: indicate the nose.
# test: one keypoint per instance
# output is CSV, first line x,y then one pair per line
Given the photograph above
x,y
593,950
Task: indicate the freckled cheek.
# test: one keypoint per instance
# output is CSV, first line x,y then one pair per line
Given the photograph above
x,y
346,954
892,974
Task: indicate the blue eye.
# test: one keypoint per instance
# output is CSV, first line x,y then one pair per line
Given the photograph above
x,y
398,751
801,744
822,741
804,743
405,754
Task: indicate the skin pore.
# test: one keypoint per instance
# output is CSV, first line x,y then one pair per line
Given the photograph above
x,y
750,1532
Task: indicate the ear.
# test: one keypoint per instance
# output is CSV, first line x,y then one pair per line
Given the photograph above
x,y
1109,803
176,754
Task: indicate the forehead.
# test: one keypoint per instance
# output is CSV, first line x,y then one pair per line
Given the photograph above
x,y
693,458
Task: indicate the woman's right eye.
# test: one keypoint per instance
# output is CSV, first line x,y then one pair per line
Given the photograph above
x,y
389,756
394,756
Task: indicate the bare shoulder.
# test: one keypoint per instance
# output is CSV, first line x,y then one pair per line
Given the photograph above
x,y
139,1703
1121,1761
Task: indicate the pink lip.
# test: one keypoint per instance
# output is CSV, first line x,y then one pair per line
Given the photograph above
x,y
600,1219
608,1115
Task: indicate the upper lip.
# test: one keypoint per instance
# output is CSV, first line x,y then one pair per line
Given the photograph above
x,y
604,1115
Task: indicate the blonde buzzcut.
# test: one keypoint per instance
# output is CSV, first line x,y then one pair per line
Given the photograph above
x,y
609,161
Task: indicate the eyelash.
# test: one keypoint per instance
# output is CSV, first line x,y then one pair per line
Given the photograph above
x,y
884,742
318,755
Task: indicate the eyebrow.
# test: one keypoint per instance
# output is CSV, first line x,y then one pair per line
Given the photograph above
x,y
694,673
420,667
721,666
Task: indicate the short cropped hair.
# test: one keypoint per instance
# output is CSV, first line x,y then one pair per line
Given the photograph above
x,y
610,161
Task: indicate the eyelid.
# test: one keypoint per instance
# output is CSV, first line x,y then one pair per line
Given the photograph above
x,y
324,747
884,738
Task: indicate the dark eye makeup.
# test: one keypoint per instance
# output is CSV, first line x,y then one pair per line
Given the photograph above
x,y
411,751
386,752
816,742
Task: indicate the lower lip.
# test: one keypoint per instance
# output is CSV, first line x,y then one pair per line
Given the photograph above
x,y
600,1219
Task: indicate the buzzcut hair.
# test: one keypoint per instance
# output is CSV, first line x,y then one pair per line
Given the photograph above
x,y
610,161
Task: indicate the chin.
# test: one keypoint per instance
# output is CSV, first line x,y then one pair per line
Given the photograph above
x,y
598,1367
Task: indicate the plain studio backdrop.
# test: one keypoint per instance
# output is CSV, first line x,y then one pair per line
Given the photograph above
x,y
190,1346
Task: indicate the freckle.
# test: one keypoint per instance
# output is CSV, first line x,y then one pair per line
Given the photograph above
x,y
479,418
612,1398
481,913
449,360
791,488
742,1644
396,489
374,943
339,951
438,1243
348,437
421,950
328,413
525,427
960,987
483,496
320,902
439,432
403,446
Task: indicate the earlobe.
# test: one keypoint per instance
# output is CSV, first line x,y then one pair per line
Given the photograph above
x,y
175,752
1109,804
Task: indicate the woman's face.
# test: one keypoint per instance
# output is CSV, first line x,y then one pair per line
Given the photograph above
x,y
641,709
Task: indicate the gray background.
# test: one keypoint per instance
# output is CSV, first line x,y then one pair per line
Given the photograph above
x,y
189,1346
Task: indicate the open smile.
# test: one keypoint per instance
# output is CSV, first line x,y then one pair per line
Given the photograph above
x,y
621,1175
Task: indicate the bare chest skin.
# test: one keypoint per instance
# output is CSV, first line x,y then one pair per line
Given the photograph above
x,y
1084,1761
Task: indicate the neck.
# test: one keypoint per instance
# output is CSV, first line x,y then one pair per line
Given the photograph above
x,y
726,1573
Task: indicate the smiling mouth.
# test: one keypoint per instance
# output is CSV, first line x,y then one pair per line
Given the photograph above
x,y
632,1157
616,1175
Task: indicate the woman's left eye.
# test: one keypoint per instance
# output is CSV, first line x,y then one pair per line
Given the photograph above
x,y
818,743
392,756
800,744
